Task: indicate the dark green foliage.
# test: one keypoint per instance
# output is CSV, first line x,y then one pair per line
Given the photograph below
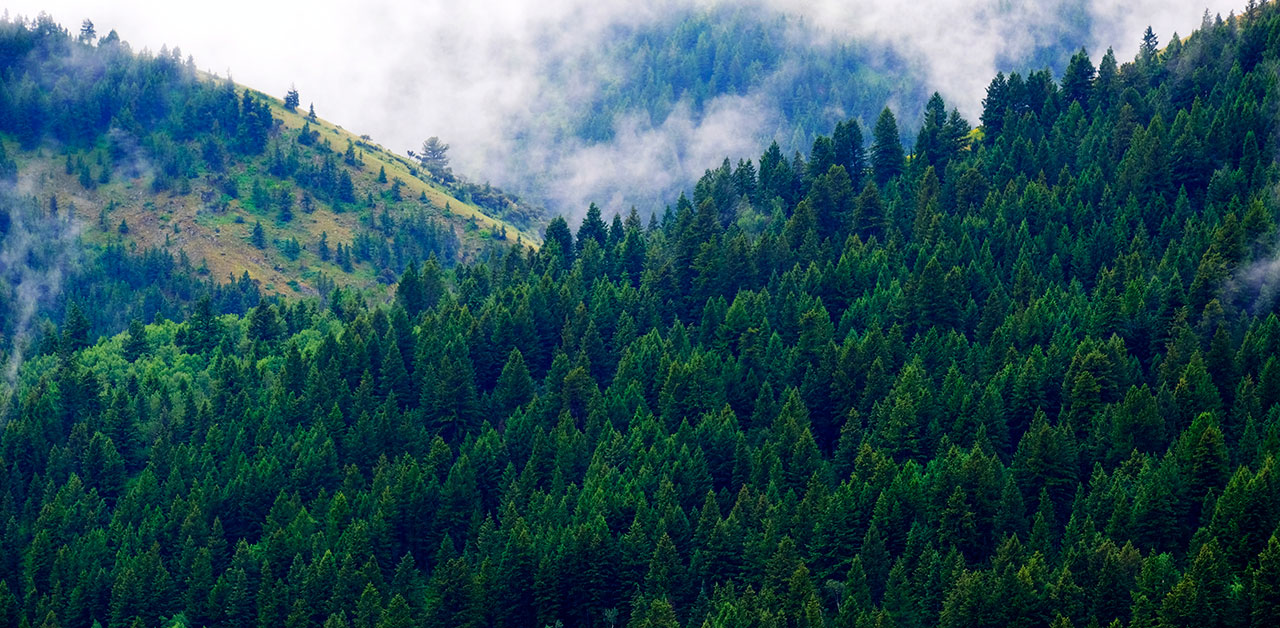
x,y
1077,81
264,324
941,136
850,152
887,160
291,249
135,344
434,158
257,236
322,247
983,394
514,387
559,240
284,202
592,229
342,257
75,330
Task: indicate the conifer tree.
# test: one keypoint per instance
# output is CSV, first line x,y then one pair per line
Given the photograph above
x,y
887,159
515,387
1264,587
258,237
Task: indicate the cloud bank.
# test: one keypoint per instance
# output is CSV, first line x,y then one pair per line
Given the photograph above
x,y
38,249
489,76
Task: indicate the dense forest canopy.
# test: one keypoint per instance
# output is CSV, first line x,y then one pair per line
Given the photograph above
x,y
1021,375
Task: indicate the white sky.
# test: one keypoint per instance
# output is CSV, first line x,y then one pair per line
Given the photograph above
x,y
402,71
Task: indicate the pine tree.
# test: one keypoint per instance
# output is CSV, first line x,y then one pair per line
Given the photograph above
x,y
887,159
930,146
135,344
559,241
75,330
434,157
592,229
1264,587
284,201
265,324
346,189
394,377
994,105
368,608
397,614
1077,80
257,236
342,257
103,467
1149,48
410,293
869,216
515,387
433,282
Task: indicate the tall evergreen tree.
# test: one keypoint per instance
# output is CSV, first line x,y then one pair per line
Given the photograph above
x,y
887,158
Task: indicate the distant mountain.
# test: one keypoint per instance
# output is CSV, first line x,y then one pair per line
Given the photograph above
x,y
659,98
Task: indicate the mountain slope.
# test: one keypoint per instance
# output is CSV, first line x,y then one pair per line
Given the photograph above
x,y
209,160
1027,377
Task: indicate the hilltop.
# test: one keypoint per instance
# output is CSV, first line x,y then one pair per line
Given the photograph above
x,y
191,164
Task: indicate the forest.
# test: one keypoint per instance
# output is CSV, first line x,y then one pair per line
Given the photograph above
x,y
1026,373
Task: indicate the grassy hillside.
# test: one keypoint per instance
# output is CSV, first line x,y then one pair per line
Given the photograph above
x,y
198,218
155,155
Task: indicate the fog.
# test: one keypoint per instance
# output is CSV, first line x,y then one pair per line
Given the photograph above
x,y
38,248
478,74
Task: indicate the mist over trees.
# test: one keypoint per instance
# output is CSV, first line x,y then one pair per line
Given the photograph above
x,y
631,110
1018,375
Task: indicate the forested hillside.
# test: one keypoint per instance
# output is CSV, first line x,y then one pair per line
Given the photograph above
x,y
814,78
699,56
1025,375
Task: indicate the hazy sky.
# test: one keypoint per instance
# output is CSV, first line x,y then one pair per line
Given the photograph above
x,y
405,70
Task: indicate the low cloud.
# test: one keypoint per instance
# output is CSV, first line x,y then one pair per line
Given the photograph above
x,y
494,77
38,249
645,163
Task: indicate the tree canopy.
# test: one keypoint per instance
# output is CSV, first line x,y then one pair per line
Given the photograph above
x,y
1026,376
